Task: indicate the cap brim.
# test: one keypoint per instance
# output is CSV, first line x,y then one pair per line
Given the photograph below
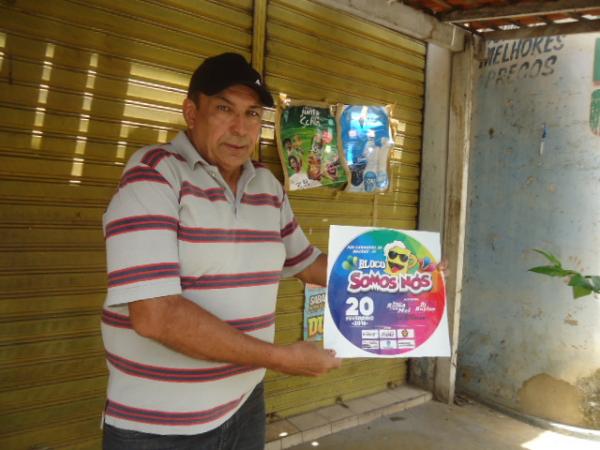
x,y
265,96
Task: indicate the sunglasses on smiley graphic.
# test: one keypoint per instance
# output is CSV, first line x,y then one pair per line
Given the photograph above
x,y
393,255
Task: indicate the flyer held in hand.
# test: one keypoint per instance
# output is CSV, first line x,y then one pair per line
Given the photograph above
x,y
385,296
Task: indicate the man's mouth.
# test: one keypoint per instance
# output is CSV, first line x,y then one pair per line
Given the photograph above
x,y
395,267
236,146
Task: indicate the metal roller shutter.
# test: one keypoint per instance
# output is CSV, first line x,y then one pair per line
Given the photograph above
x,y
82,85
316,53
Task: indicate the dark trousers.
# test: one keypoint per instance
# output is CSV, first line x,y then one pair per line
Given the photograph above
x,y
245,430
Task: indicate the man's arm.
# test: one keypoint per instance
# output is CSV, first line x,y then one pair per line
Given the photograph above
x,y
316,273
185,327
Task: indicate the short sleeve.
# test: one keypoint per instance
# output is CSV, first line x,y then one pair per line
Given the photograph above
x,y
300,253
140,229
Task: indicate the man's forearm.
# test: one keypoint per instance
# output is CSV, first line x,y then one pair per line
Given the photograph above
x,y
316,273
187,328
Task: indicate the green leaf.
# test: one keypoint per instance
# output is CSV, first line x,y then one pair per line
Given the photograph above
x,y
580,281
552,271
595,281
553,259
580,291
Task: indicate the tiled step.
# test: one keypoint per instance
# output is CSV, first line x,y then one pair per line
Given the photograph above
x,y
307,427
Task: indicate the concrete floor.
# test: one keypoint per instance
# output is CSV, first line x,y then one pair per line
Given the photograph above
x,y
437,426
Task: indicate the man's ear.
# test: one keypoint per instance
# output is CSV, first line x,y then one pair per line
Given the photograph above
x,y
190,110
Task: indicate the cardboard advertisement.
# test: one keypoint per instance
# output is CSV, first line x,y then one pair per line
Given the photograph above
x,y
385,296
314,306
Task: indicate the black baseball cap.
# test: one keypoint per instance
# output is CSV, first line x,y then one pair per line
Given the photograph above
x,y
222,71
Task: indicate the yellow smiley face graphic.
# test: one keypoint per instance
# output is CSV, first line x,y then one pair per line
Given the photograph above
x,y
399,259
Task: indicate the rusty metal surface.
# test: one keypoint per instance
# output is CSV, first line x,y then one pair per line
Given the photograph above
x,y
520,14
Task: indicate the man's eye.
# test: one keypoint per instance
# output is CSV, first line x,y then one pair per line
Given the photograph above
x,y
254,114
223,108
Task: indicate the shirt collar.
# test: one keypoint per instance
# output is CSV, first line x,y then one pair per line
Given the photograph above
x,y
187,150
248,173
192,156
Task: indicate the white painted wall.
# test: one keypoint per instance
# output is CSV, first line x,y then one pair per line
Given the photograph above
x,y
524,342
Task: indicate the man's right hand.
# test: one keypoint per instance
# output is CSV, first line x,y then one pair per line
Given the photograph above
x,y
308,359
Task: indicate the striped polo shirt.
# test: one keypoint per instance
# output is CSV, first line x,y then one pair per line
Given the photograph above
x,y
175,227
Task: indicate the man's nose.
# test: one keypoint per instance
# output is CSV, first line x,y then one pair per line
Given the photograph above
x,y
239,125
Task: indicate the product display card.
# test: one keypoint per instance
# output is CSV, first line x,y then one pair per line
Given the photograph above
x,y
385,296
307,145
314,305
366,140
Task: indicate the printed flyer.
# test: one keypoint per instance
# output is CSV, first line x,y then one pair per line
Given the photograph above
x,y
314,305
307,146
366,139
385,296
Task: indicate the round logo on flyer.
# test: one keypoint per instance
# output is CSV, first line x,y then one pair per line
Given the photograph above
x,y
384,293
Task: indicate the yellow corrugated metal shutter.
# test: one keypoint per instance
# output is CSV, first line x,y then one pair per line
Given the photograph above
x,y
316,53
83,84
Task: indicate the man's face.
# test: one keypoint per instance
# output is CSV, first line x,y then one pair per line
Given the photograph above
x,y
225,127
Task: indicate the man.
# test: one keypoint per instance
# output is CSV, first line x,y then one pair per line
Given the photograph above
x,y
197,239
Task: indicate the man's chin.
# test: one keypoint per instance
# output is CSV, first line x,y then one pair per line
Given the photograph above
x,y
233,163
238,154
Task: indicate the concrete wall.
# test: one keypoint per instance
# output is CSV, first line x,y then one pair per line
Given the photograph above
x,y
524,342
434,157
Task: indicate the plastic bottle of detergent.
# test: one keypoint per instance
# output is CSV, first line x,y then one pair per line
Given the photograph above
x,y
383,179
370,154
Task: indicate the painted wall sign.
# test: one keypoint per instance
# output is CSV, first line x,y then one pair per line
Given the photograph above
x,y
385,296
510,61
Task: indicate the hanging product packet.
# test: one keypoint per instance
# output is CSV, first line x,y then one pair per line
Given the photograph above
x,y
314,305
307,145
386,297
366,140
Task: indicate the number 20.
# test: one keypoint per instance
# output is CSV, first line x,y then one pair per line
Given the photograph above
x,y
365,306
